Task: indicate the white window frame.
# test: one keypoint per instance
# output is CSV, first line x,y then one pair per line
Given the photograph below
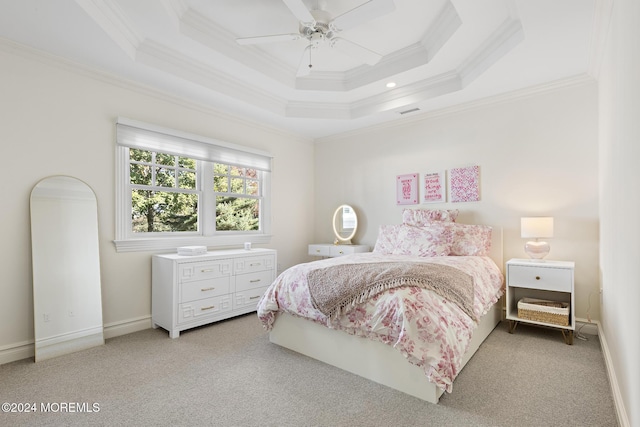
x,y
135,134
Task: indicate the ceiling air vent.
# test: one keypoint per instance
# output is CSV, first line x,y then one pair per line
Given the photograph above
x,y
409,111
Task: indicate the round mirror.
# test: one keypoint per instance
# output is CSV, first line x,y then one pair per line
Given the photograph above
x,y
345,224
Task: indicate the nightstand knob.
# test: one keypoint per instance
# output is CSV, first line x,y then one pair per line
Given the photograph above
x,y
537,277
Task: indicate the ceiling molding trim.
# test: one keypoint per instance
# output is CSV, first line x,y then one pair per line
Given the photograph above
x,y
318,110
603,12
113,21
207,33
169,61
482,103
395,99
402,60
499,43
444,27
13,48
175,9
401,98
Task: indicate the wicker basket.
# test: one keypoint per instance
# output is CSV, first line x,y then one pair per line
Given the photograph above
x,y
553,312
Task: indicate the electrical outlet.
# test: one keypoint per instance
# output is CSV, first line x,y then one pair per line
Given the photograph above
x,y
71,313
45,316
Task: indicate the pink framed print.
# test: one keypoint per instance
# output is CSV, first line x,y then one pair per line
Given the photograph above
x,y
464,184
407,189
433,187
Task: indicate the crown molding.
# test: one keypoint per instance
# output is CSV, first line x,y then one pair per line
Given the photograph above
x,y
13,48
536,90
113,21
508,35
170,61
599,35
207,33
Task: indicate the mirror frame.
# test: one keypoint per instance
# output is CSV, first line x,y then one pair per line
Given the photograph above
x,y
339,239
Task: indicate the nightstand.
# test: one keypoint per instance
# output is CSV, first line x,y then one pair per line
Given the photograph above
x,y
543,280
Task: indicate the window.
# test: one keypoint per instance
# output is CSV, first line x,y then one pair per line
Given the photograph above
x,y
176,189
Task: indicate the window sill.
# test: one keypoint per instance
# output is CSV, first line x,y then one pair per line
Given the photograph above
x,y
171,243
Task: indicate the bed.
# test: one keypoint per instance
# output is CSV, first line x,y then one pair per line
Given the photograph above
x,y
428,303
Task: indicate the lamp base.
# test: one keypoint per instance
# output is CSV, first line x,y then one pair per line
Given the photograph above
x,y
537,250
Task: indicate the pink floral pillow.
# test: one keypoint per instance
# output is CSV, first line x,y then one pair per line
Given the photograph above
x,y
422,217
470,240
387,239
434,240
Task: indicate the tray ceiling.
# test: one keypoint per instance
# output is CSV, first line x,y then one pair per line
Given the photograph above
x,y
438,53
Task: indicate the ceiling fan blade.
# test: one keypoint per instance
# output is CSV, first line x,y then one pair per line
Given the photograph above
x,y
350,48
299,10
268,39
304,68
363,13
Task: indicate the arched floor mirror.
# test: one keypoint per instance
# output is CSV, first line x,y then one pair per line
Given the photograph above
x,y
67,301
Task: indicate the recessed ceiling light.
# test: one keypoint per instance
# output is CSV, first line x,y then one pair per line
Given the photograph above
x,y
391,84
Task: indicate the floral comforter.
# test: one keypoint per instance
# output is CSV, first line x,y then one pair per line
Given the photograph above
x,y
428,330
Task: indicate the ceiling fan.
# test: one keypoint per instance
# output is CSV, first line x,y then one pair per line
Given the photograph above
x,y
319,27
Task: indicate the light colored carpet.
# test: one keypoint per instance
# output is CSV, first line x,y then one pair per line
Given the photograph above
x,y
229,374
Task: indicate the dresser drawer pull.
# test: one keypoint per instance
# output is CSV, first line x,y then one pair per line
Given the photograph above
x,y
207,308
341,253
318,250
253,265
254,281
208,270
207,289
254,297
537,277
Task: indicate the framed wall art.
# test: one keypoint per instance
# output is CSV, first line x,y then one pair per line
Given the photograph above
x,y
464,184
407,189
433,187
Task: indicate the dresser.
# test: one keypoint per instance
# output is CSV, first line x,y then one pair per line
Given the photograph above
x,y
190,291
329,250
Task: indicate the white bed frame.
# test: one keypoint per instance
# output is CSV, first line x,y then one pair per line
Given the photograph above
x,y
372,359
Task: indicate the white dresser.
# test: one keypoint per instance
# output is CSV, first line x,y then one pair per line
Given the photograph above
x,y
190,291
329,250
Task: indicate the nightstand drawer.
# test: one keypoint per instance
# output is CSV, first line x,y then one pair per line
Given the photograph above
x,y
543,278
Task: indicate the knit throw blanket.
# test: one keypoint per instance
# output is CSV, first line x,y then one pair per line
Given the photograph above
x,y
335,289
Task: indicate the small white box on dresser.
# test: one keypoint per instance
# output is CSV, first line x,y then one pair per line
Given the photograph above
x,y
190,291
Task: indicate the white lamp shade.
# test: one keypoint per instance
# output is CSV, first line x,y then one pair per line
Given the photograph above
x,y
536,227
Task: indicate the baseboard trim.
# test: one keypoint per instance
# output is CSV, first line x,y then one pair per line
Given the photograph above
x,y
621,412
116,329
26,349
17,351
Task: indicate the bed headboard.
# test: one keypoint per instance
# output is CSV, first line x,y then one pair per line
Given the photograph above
x,y
497,253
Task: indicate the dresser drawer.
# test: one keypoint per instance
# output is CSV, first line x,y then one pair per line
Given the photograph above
x,y
253,264
253,280
205,307
319,250
204,270
249,298
191,291
544,278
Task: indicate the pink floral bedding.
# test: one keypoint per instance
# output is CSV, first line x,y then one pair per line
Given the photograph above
x,y
428,330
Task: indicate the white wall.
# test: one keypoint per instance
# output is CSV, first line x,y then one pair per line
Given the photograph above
x,y
59,120
538,155
619,83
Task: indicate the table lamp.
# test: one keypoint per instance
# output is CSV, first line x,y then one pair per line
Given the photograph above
x,y
536,228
